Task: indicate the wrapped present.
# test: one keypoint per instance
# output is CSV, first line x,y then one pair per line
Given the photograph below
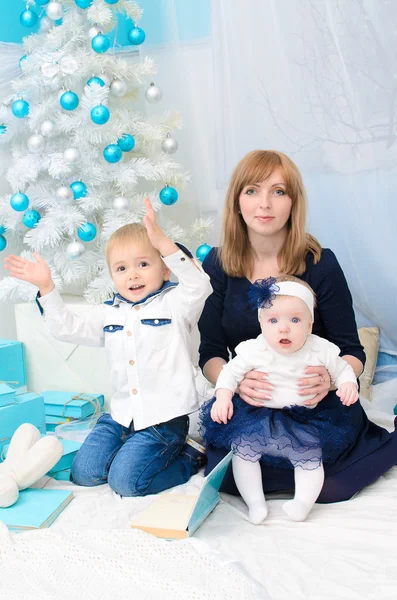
x,y
52,422
12,363
7,394
72,404
28,408
63,475
70,449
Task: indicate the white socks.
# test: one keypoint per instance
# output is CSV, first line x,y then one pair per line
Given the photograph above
x,y
248,478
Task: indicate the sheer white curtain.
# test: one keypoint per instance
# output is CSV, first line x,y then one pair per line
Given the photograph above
x,y
317,79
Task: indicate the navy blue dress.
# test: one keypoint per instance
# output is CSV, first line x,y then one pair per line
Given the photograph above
x,y
227,320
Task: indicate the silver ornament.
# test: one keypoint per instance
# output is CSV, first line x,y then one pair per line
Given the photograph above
x,y
121,205
46,24
64,195
47,128
105,78
75,250
169,145
54,11
118,88
72,155
35,142
93,31
153,94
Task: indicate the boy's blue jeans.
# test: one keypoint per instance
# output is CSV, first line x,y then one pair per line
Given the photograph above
x,y
134,463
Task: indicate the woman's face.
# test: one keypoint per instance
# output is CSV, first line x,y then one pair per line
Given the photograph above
x,y
265,205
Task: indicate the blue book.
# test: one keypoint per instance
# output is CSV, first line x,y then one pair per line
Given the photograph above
x,y
35,509
177,516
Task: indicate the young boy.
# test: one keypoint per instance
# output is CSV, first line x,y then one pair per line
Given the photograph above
x,y
139,448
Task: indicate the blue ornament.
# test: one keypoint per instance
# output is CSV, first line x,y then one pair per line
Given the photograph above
x,y
69,100
168,195
3,229
28,18
136,36
202,251
111,1
126,143
24,57
96,80
41,2
100,43
112,153
100,114
58,22
19,201
79,189
3,243
83,3
3,129
20,109
87,232
31,218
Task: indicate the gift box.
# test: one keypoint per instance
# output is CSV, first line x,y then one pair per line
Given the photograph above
x,y
12,363
28,408
70,449
52,422
7,394
63,475
72,404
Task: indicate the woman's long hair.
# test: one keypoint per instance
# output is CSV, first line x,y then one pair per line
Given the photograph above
x,y
235,252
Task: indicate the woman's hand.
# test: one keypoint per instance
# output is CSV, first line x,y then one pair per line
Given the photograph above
x,y
320,385
38,273
249,386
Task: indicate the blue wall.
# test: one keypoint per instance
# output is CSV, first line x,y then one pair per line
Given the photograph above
x,y
192,21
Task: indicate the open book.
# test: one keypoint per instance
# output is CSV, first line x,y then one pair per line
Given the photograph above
x,y
177,516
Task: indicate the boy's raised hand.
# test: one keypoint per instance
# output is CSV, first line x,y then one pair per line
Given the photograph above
x,y
38,273
156,235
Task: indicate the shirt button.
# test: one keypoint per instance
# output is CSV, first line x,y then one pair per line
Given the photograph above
x,y
183,258
156,321
137,307
128,333
132,363
134,391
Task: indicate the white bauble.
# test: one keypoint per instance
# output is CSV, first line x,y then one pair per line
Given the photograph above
x,y
54,11
64,195
169,145
121,205
35,142
105,78
93,31
118,88
75,250
153,94
72,155
46,24
47,128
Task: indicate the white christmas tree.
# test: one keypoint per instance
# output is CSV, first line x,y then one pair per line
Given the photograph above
x,y
82,158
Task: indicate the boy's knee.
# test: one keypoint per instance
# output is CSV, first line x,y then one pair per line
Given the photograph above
x,y
82,474
127,485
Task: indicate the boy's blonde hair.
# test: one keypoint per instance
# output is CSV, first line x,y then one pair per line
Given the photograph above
x,y
133,233
235,252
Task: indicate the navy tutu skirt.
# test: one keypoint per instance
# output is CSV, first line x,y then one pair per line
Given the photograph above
x,y
292,436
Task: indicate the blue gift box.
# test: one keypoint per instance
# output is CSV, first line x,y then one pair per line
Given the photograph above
x,y
70,448
12,362
28,408
7,394
72,404
63,475
52,422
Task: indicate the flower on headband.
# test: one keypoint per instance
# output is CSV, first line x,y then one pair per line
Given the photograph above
x,y
262,292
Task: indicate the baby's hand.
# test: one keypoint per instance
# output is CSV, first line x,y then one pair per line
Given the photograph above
x,y
222,410
38,273
348,393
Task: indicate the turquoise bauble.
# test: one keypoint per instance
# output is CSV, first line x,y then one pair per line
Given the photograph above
x,y
202,251
112,153
79,189
24,57
100,43
28,18
100,114
41,2
87,232
3,243
19,201
3,229
83,3
96,80
3,129
20,109
69,100
126,143
168,195
111,1
31,218
136,36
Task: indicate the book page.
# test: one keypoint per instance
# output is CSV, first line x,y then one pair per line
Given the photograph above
x,y
168,511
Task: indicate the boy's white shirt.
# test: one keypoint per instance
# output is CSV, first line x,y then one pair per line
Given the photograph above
x,y
284,370
150,366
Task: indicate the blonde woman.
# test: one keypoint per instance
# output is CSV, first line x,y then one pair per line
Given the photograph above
x,y
264,236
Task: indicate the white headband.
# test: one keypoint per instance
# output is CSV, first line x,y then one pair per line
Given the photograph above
x,y
297,290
